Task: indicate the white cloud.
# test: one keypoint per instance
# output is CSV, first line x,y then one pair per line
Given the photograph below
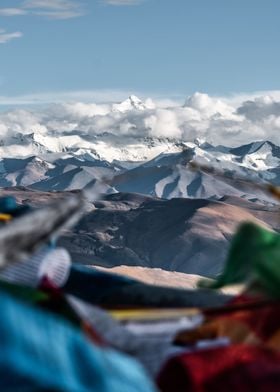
x,y
207,105
122,2
237,99
54,9
163,123
59,14
51,9
260,108
6,37
218,120
51,4
12,12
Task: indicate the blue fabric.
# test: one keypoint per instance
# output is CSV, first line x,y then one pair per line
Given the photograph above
x,y
39,352
94,286
111,290
8,205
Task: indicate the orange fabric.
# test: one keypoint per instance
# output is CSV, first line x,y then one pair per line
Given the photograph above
x,y
252,326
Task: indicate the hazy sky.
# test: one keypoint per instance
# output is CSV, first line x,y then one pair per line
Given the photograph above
x,y
150,47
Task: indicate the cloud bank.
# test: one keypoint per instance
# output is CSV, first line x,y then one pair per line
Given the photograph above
x,y
218,120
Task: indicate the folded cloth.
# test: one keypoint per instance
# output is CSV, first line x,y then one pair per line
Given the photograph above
x,y
151,351
53,263
234,368
39,351
113,291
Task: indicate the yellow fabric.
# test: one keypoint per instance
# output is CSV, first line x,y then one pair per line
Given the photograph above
x,y
5,217
153,314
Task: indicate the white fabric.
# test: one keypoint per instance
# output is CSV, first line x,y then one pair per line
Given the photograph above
x,y
54,264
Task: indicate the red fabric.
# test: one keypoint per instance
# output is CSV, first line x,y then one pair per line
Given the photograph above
x,y
48,286
239,368
264,322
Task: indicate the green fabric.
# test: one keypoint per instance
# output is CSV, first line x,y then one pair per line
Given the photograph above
x,y
52,302
24,293
254,257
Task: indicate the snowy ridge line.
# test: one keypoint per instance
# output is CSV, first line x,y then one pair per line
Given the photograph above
x,y
166,175
267,187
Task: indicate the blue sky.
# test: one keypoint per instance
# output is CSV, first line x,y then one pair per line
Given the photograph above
x,y
151,47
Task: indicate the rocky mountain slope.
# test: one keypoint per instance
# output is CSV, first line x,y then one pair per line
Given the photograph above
x,y
181,234
184,235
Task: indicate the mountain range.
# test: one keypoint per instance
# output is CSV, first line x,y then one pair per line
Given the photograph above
x,y
156,203
169,174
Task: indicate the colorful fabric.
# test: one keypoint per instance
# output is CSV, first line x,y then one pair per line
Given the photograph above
x,y
239,368
52,299
250,363
150,350
24,293
255,326
52,338
41,352
47,297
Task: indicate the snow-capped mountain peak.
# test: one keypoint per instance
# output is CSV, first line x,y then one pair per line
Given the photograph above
x,y
132,103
